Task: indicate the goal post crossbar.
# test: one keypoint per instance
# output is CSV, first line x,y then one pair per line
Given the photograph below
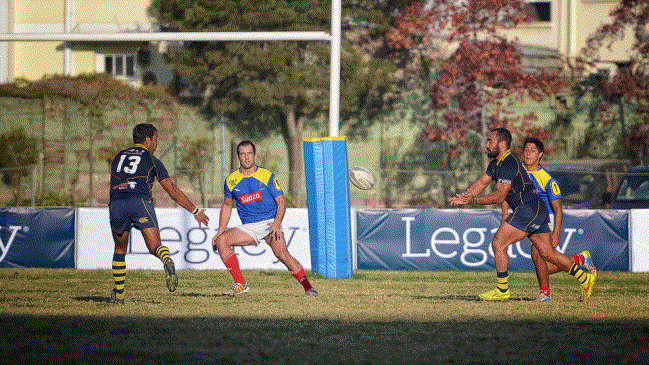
x,y
166,36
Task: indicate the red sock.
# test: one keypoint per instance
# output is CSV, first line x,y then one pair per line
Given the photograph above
x,y
545,290
232,263
300,276
579,259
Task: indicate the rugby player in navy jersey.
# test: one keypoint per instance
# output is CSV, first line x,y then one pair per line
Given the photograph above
x,y
528,219
133,172
261,206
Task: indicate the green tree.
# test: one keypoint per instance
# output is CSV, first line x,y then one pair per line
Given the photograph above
x,y
477,85
621,100
18,154
262,88
92,96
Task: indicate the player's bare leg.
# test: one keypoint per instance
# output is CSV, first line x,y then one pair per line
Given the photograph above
x,y
154,244
121,242
232,237
280,250
543,242
119,267
223,243
542,275
505,236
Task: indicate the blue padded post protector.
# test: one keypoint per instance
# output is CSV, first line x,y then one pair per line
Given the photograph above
x,y
327,185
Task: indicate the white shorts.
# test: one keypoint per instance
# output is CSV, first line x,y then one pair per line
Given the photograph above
x,y
257,230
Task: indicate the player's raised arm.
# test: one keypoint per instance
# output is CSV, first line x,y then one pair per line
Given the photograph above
x,y
179,197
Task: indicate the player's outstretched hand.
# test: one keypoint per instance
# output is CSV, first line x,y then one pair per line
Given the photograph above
x,y
459,199
202,218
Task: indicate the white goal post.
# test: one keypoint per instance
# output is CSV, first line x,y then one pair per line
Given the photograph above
x,y
333,37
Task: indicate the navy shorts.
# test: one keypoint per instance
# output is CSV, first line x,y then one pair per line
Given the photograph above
x,y
529,219
135,212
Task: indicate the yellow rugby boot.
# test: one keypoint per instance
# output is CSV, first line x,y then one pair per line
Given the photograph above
x,y
495,295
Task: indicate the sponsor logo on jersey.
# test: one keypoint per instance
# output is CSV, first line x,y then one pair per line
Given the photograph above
x,y
135,151
125,185
144,220
249,198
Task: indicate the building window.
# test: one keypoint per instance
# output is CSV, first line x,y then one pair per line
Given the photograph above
x,y
540,11
119,64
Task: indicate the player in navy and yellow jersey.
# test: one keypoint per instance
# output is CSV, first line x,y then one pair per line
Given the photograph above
x,y
529,217
261,205
133,172
548,189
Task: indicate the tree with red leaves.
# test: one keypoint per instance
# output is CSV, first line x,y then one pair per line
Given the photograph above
x,y
476,86
629,87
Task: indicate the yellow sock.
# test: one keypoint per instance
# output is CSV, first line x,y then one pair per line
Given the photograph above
x,y
119,274
502,283
579,273
162,252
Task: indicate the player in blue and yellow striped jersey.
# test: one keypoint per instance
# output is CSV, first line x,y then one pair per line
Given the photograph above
x,y
548,189
261,205
132,174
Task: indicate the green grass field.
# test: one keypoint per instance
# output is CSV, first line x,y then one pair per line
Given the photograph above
x,y
376,317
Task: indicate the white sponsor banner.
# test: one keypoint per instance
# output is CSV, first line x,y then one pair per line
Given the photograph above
x,y
639,240
189,245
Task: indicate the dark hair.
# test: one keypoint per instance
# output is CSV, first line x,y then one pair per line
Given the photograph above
x,y
503,135
246,143
143,130
534,140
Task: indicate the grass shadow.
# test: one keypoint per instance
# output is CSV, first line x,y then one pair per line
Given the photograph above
x,y
93,298
100,299
234,340
467,298
201,295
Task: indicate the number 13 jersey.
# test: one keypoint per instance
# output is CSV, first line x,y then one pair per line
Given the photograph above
x,y
133,172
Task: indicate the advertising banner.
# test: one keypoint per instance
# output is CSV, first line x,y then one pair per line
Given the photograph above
x,y
639,240
460,239
189,245
37,237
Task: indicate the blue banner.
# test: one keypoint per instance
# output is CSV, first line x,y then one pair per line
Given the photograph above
x,y
37,237
460,239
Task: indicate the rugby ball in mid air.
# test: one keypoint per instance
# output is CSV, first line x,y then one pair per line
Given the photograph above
x,y
361,178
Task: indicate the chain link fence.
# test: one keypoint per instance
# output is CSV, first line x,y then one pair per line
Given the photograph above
x,y
75,150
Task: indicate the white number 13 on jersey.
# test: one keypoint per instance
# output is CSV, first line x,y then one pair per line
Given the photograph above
x,y
133,161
